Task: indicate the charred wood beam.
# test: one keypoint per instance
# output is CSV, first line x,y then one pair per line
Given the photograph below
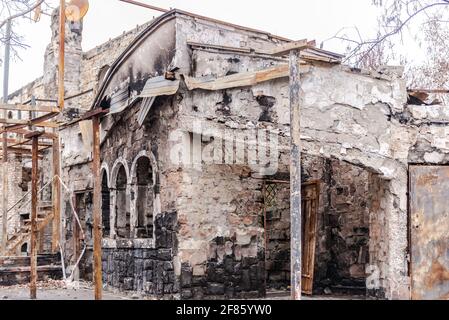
x,y
295,177
24,107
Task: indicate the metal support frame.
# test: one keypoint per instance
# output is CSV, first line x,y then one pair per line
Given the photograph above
x,y
295,177
97,229
56,234
33,242
56,192
5,138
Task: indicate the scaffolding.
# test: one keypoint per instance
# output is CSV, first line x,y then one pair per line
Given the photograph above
x,y
31,137
40,132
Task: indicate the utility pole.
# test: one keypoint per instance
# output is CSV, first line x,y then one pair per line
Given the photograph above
x,y
295,177
97,229
33,242
5,137
56,235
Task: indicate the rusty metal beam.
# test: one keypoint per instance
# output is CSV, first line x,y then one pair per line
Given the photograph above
x,y
21,150
295,177
96,167
56,234
46,124
19,142
33,242
61,67
7,36
5,193
144,5
26,107
31,122
46,135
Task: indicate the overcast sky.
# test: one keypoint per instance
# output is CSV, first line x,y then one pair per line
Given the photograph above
x,y
295,19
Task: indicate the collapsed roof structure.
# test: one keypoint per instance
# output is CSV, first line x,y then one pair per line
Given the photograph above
x,y
180,146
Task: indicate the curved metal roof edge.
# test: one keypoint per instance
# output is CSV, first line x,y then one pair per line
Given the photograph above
x,y
130,49
153,27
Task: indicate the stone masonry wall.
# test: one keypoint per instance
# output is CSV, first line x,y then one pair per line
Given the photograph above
x,y
342,228
133,266
220,222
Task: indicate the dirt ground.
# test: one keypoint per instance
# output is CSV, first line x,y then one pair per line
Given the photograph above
x,y
59,290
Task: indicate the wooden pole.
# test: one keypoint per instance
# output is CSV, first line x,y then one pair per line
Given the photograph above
x,y
98,279
295,177
61,89
5,194
56,236
34,179
5,140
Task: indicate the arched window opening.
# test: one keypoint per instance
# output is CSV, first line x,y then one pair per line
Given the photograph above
x,y
123,217
105,205
145,198
24,249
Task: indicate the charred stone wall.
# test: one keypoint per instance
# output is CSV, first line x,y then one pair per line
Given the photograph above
x,y
132,262
342,229
222,233
143,266
228,274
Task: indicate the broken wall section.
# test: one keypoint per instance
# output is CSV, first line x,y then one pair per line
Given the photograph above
x,y
132,262
342,244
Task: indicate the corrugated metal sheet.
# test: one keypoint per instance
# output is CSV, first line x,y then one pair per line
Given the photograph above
x,y
144,109
429,210
119,101
159,86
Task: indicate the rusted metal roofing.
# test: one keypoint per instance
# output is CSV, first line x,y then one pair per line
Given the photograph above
x,y
154,84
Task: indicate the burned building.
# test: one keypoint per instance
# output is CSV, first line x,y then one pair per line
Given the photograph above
x,y
195,153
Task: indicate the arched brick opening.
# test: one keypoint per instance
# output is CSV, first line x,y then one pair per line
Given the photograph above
x,y
123,216
144,188
105,205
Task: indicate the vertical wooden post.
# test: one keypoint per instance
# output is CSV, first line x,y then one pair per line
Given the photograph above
x,y
5,139
56,236
5,193
34,179
98,278
61,88
295,177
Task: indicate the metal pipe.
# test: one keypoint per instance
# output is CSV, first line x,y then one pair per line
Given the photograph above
x,y
295,178
33,242
144,5
5,137
61,54
97,229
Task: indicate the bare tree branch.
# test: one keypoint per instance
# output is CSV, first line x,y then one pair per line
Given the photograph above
x,y
27,9
15,11
397,15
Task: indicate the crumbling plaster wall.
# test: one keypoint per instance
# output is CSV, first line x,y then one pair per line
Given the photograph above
x,y
343,227
190,29
14,191
132,264
350,115
82,71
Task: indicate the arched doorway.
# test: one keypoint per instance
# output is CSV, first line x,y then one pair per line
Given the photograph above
x,y
123,220
145,198
105,205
